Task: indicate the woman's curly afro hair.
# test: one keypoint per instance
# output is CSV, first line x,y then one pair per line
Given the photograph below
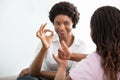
x,y
64,8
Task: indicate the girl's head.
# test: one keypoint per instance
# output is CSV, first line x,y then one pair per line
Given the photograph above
x,y
105,33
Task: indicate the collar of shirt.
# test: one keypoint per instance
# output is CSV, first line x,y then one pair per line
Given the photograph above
x,y
56,39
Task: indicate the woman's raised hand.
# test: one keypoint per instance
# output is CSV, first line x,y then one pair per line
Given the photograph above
x,y
45,39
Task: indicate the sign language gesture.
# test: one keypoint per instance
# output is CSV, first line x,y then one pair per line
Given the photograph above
x,y
64,52
45,39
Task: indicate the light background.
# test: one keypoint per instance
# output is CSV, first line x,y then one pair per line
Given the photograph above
x,y
19,21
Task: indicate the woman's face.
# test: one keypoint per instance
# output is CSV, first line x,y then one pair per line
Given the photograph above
x,y
63,25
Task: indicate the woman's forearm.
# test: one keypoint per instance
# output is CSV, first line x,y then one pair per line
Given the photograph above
x,y
48,74
77,56
35,67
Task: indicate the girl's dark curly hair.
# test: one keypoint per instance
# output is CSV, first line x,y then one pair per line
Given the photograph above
x,y
105,33
64,8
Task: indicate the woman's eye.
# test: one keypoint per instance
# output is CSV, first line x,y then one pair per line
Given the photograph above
x,y
56,24
66,23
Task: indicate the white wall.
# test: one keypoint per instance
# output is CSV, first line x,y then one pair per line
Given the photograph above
x,y
19,21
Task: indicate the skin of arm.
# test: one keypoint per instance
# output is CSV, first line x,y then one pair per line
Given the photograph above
x,y
51,74
77,57
65,53
35,67
61,72
37,63
48,74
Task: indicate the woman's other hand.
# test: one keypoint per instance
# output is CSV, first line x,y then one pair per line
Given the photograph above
x,y
24,72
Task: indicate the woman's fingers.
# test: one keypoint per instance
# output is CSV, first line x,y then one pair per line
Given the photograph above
x,y
63,45
24,72
21,74
62,54
42,27
48,33
54,57
44,32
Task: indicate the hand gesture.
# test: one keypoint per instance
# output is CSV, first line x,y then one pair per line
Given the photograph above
x,y
45,39
61,62
64,52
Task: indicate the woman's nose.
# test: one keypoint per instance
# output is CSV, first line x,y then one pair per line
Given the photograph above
x,y
62,26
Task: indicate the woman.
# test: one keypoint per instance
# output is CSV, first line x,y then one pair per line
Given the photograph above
x,y
64,16
104,63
